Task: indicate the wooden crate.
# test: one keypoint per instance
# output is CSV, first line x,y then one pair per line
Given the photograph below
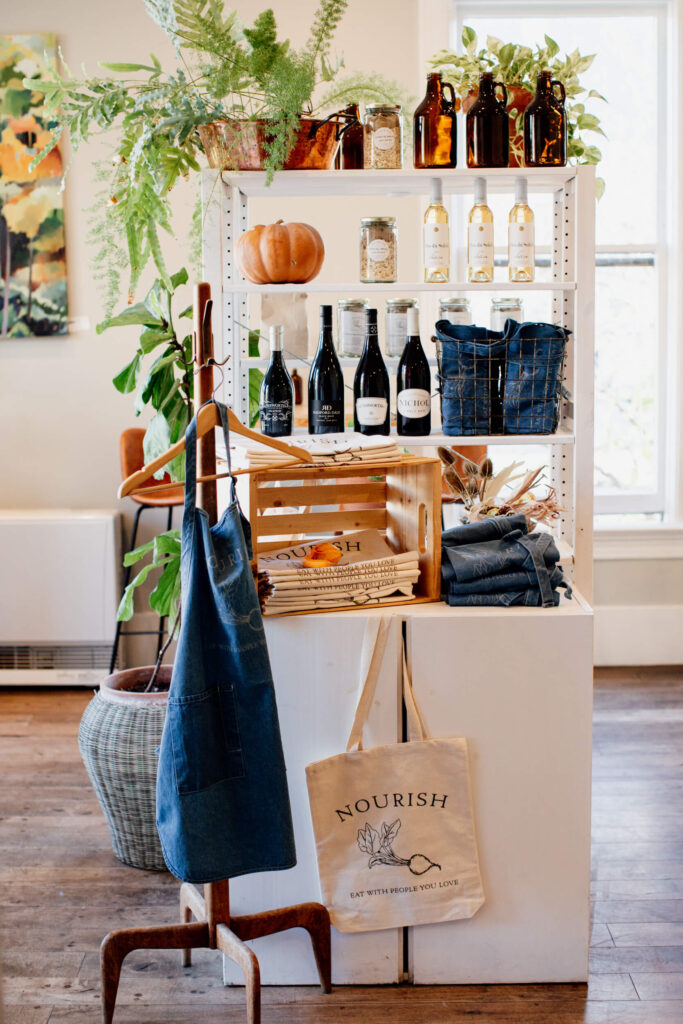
x,y
402,500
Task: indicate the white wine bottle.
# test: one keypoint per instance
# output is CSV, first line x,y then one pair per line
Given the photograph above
x,y
436,237
521,243
480,236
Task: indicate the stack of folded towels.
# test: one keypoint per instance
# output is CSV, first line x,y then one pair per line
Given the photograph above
x,y
498,562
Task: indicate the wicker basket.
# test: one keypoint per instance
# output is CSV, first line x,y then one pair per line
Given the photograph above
x,y
118,738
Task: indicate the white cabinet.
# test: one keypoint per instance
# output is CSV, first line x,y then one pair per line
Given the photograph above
x,y
518,684
316,668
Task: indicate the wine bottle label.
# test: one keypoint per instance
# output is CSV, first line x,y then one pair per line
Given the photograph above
x,y
371,411
437,249
480,245
326,415
378,251
352,332
413,403
383,138
276,418
521,245
397,332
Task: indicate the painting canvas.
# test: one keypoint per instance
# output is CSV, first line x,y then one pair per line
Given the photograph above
x,y
32,254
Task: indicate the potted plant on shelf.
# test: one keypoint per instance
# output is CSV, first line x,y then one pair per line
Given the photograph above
x,y
238,97
516,66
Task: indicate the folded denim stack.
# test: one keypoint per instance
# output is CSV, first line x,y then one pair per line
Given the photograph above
x,y
498,562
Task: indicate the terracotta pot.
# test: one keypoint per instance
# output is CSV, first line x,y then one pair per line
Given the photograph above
x,y
118,737
241,145
519,99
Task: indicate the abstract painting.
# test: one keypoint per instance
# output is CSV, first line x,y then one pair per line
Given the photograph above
x,y
32,253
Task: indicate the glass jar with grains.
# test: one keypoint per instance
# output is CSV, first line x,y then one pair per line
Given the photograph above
x,y
382,137
377,249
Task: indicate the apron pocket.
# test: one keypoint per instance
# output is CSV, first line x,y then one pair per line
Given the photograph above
x,y
206,740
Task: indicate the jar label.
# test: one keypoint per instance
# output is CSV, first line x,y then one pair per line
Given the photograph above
x,y
462,317
383,138
521,245
397,332
413,403
480,245
378,251
371,412
351,333
437,249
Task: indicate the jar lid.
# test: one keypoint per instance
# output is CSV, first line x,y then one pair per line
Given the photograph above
x,y
401,303
506,303
454,303
386,221
382,108
353,303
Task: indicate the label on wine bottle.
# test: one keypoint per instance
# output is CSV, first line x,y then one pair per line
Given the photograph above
x,y
437,249
413,403
276,418
378,251
326,417
521,245
383,138
371,411
480,245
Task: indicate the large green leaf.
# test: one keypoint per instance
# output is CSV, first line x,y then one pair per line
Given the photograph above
x,y
126,381
165,597
140,313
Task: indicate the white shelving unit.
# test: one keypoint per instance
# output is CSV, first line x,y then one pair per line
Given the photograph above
x,y
516,681
571,295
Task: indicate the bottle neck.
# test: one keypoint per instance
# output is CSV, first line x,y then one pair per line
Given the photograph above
x,y
276,357
434,86
544,83
486,87
371,338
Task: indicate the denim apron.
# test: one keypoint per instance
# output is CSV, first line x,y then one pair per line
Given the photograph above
x,y
222,800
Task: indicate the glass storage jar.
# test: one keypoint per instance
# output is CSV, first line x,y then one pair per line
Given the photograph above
x,y
378,247
456,311
382,137
396,324
505,309
351,326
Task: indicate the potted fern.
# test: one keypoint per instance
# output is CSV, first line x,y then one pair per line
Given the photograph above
x,y
516,66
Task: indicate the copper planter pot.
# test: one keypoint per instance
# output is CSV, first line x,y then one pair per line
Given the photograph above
x,y
241,145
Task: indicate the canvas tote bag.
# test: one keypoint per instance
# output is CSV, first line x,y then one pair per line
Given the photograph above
x,y
393,824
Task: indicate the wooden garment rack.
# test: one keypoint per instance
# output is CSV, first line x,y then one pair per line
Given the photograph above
x,y
214,928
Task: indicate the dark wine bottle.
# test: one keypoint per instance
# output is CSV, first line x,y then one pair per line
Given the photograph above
x,y
276,397
371,384
325,383
413,384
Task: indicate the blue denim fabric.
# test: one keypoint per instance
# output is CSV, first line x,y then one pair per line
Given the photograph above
x,y
504,582
533,377
510,553
222,800
470,368
526,597
491,528
500,382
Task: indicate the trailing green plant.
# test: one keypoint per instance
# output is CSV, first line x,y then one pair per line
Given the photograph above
x,y
515,64
166,383
224,70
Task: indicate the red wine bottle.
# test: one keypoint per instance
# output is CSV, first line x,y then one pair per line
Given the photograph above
x,y
325,383
413,384
371,384
276,397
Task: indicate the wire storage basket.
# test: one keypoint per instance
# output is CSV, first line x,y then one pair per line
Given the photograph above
x,y
494,382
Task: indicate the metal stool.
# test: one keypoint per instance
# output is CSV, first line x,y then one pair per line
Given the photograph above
x,y
132,459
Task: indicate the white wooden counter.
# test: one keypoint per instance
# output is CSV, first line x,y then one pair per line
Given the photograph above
x,y
518,684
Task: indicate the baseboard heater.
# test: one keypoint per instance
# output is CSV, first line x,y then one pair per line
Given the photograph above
x,y
59,590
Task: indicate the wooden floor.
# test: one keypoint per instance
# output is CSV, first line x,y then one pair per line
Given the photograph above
x,y
63,890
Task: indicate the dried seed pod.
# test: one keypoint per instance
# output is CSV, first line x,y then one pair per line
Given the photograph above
x,y
454,482
446,455
486,468
470,469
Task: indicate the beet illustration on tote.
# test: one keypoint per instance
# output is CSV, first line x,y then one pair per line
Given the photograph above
x,y
379,846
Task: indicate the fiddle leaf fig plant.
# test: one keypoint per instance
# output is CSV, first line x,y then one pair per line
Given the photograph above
x,y
516,66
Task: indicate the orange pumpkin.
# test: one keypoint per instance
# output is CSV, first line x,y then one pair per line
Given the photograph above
x,y
279,253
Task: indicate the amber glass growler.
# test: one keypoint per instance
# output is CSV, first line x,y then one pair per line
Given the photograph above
x,y
545,125
488,126
434,127
350,153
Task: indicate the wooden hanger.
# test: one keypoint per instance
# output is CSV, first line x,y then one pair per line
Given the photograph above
x,y
207,419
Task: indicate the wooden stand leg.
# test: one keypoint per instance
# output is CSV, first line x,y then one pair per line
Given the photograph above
x,y
117,945
245,958
311,916
190,903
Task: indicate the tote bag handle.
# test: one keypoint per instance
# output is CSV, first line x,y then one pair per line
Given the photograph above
x,y
374,645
